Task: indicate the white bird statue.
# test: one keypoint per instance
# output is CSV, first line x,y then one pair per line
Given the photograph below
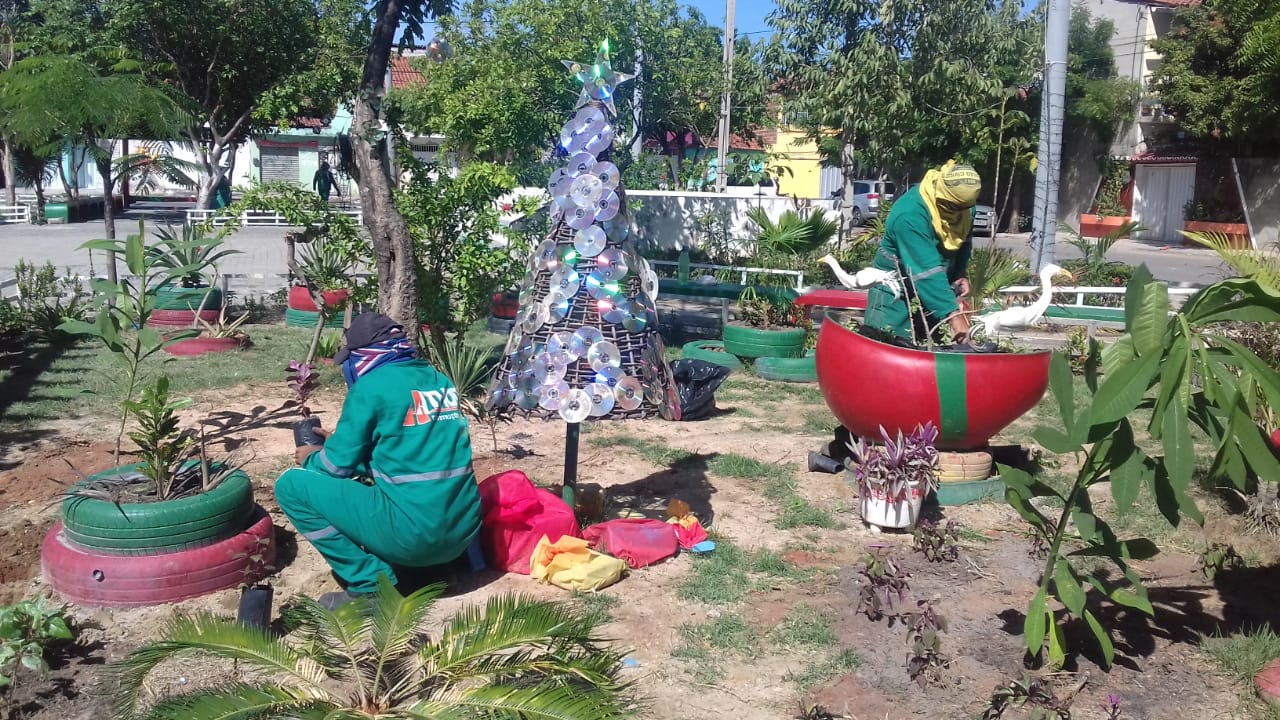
x,y
1023,316
865,278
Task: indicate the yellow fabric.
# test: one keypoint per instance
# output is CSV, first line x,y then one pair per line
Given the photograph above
x,y
956,184
570,564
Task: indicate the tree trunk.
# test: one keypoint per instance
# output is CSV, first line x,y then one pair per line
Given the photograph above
x,y
848,173
1015,216
124,178
211,164
62,176
108,210
6,167
388,231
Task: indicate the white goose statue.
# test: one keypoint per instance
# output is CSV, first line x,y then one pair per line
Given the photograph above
x,y
864,278
1023,316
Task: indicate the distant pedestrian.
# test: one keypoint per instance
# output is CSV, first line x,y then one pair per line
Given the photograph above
x,y
323,182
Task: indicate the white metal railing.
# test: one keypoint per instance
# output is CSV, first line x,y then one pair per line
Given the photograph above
x,y
743,272
260,217
1081,291
15,214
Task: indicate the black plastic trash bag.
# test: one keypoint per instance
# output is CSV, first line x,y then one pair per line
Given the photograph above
x,y
696,383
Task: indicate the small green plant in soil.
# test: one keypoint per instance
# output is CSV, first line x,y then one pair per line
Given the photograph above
x,y
27,631
769,311
938,543
46,300
1034,694
817,712
925,661
1216,558
884,586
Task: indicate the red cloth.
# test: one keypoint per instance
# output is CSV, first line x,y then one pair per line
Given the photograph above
x,y
689,535
639,541
516,516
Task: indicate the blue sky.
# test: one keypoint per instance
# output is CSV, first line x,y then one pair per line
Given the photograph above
x,y
750,14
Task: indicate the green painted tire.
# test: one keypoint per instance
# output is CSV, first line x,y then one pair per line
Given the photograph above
x,y
711,351
307,319
749,342
801,370
160,527
173,297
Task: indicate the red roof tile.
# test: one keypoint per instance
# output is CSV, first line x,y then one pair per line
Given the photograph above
x,y
404,74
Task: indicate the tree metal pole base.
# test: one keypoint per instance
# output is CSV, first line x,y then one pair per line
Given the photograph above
x,y
571,433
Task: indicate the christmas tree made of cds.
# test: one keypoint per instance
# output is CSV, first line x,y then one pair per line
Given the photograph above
x,y
585,343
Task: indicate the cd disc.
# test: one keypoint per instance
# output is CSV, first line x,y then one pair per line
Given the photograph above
x,y
557,308
565,282
617,313
583,339
526,379
600,141
608,206
591,119
629,393
587,190
649,282
536,318
562,348
547,370
601,289
604,354
526,400
550,397
589,241
580,164
578,217
576,406
609,376
611,264
546,256
635,321
601,399
617,230
607,173
558,185
500,398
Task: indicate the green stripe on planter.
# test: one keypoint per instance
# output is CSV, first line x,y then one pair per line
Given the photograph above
x,y
953,410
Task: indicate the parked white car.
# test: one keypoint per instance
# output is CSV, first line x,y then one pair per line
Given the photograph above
x,y
867,196
984,221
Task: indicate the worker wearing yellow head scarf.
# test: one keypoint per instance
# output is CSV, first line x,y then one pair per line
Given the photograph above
x,y
927,242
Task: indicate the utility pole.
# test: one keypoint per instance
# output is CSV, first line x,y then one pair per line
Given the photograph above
x,y
637,116
726,100
1052,110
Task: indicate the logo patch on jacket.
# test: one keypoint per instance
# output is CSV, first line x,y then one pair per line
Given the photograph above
x,y
431,405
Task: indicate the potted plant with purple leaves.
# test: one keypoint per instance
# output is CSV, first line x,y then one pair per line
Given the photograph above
x,y
303,382
893,479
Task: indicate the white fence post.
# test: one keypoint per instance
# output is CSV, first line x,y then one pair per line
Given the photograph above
x,y
15,214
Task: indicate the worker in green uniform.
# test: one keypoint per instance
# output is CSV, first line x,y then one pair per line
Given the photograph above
x,y
323,182
927,243
392,484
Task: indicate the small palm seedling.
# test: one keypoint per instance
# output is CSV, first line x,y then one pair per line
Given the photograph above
x,y
514,658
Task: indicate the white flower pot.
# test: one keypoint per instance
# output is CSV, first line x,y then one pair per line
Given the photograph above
x,y
879,510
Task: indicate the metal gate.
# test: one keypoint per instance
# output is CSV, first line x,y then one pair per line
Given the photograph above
x,y
278,164
1160,196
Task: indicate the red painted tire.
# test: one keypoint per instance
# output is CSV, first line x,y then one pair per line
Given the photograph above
x,y
180,318
202,345
300,299
88,578
1267,682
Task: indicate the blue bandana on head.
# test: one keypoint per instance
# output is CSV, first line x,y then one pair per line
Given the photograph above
x,y
364,360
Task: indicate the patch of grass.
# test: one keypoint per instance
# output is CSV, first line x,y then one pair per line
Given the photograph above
x,y
1242,656
798,512
598,607
794,511
704,644
820,422
741,466
84,381
725,576
806,627
829,667
652,451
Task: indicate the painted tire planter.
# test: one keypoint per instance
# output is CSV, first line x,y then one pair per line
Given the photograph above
x,y
87,577
964,467
711,351
963,492
162,527
181,318
300,299
174,297
302,318
969,397
750,342
202,345
800,370
1267,682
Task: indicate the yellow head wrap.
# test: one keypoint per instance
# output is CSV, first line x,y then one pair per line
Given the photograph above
x,y
957,185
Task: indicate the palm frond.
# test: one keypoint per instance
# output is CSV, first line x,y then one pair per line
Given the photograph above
x,y
397,621
538,702
239,702
333,637
1261,265
220,637
991,269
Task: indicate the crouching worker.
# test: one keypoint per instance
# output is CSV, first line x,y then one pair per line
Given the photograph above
x,y
392,483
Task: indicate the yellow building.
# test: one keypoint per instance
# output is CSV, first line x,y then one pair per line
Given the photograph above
x,y
789,148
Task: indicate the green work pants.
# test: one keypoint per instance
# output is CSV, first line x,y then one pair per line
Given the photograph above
x,y
357,529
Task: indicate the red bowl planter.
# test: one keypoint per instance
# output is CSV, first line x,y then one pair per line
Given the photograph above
x,y
202,345
968,397
180,318
300,298
1096,226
